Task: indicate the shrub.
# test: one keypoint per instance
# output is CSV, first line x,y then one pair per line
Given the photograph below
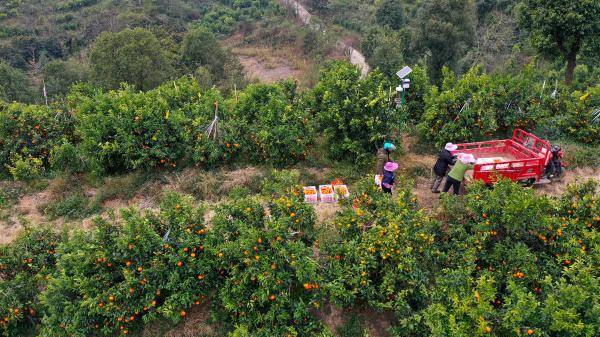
x,y
151,266
268,126
356,115
31,131
65,157
143,130
269,280
25,169
24,266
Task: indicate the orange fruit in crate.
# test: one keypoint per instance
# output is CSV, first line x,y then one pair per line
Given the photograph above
x,y
326,190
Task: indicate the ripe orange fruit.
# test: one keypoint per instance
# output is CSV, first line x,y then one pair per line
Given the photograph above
x,y
530,332
16,311
193,255
111,298
488,329
179,264
292,214
128,263
272,297
186,249
183,313
140,269
201,277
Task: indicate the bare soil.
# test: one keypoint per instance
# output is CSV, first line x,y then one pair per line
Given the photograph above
x,y
255,70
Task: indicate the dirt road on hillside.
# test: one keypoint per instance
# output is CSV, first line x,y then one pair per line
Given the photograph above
x,y
355,57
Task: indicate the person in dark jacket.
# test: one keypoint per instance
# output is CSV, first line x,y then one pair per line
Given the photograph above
x,y
384,156
388,177
445,160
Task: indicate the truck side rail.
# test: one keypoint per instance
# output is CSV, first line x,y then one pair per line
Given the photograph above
x,y
539,147
514,169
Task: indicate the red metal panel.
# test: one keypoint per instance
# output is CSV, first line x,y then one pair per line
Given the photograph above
x,y
528,156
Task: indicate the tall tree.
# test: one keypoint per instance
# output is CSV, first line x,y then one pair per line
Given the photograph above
x,y
200,48
134,56
444,31
561,28
390,13
15,85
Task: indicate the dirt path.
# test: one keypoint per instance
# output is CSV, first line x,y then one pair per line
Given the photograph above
x,y
355,57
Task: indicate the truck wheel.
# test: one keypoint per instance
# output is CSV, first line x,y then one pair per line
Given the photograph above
x,y
527,182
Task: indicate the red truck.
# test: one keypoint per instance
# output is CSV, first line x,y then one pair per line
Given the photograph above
x,y
524,158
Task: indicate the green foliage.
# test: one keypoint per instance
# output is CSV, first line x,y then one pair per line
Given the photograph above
x,y
132,56
60,75
561,28
390,13
201,51
147,268
445,31
270,281
14,84
480,105
269,125
143,130
31,131
25,168
356,114
65,157
24,266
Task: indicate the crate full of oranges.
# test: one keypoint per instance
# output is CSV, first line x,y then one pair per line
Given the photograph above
x,y
310,194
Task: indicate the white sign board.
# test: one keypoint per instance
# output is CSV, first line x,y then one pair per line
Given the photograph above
x,y
404,72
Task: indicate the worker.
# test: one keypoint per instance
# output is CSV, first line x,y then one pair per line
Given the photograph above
x,y
457,174
384,156
388,176
444,161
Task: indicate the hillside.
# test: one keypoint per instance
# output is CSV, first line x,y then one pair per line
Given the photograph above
x,y
207,168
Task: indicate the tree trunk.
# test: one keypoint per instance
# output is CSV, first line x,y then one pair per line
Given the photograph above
x,y
571,63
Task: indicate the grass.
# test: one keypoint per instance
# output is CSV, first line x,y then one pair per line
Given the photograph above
x,y
352,328
123,187
580,155
73,206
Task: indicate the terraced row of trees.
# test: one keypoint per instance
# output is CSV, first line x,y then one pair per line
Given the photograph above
x,y
501,262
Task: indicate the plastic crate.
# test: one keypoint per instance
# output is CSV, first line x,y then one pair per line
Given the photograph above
x,y
326,193
310,194
341,191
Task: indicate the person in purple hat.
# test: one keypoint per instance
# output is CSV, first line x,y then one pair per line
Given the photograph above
x,y
388,176
444,160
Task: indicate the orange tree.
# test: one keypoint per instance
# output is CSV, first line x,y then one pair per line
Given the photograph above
x,y
121,276
126,130
24,266
31,130
270,280
269,125
479,105
356,115
514,263
385,255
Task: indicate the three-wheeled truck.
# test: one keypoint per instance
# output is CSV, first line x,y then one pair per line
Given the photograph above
x,y
524,158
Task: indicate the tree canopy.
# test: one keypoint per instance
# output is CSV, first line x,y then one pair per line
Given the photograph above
x,y
134,56
445,30
561,28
